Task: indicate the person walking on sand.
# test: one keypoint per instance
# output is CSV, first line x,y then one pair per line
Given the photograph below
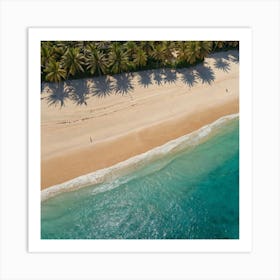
x,y
90,139
226,90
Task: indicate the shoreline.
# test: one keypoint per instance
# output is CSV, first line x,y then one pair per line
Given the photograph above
x,y
78,140
142,143
136,162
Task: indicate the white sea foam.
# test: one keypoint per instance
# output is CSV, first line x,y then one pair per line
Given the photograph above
x,y
110,174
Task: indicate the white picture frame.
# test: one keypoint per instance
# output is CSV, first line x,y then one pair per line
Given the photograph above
x,y
16,262
243,35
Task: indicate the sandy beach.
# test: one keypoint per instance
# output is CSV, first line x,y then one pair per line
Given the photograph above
x,y
105,120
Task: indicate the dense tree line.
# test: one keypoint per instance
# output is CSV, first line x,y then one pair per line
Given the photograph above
x,y
62,60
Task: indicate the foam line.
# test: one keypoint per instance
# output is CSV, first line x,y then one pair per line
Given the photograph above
x,y
125,167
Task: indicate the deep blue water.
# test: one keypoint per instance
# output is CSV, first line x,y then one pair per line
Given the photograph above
x,y
193,194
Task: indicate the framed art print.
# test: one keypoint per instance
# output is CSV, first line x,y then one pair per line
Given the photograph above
x,y
139,139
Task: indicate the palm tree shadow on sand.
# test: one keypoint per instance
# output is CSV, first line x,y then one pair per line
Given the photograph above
x,y
78,91
205,74
145,78
44,87
234,57
170,76
102,86
222,64
58,94
231,55
123,84
159,77
188,77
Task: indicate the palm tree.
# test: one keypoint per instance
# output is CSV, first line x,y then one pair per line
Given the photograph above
x,y
96,62
193,50
182,51
158,53
205,48
168,49
218,45
55,72
103,46
73,61
118,58
140,58
233,44
47,53
60,47
82,45
130,48
147,47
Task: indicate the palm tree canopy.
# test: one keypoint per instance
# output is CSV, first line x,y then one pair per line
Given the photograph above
x,y
158,53
73,61
182,51
111,57
118,58
47,53
55,72
205,48
96,62
193,51
168,49
147,46
130,48
140,58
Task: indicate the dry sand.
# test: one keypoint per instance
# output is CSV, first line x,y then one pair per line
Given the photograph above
x,y
129,114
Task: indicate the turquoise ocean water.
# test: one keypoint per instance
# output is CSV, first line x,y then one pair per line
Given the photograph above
x,y
188,194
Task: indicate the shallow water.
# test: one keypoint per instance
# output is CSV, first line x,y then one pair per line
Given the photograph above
x,y
190,194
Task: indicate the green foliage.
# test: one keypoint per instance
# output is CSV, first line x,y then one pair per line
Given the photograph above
x,y
140,58
205,48
61,59
73,61
118,58
130,47
96,61
55,72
